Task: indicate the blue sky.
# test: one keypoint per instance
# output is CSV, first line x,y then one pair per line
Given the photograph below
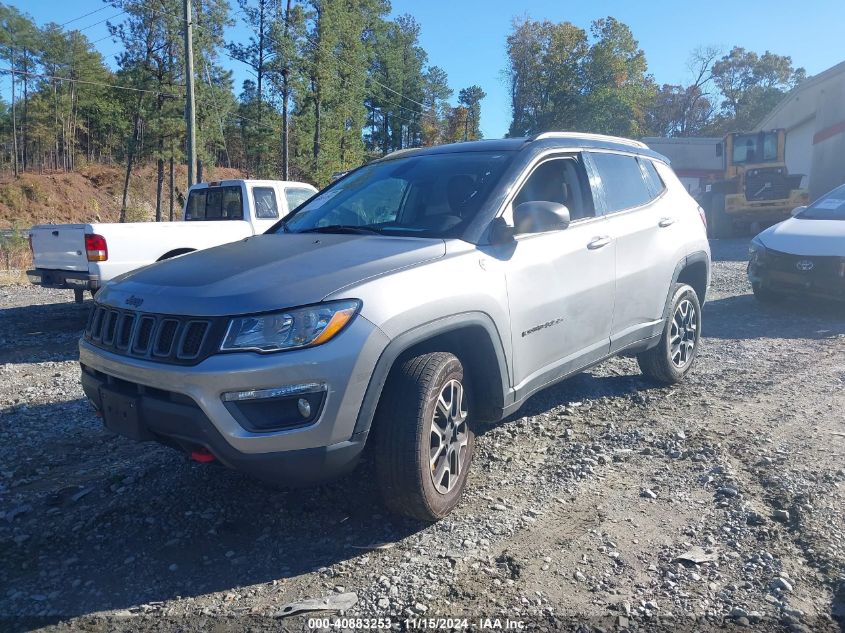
x,y
467,37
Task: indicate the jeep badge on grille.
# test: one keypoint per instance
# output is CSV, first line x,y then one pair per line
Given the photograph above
x,y
134,301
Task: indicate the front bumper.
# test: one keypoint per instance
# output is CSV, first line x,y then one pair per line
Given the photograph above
x,y
825,284
185,404
75,280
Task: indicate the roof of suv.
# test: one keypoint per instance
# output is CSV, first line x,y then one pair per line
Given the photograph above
x,y
549,140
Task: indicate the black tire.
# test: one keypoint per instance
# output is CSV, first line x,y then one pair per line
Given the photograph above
x,y
765,295
660,363
719,224
404,437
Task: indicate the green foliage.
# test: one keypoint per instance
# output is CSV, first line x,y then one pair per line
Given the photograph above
x,y
14,249
750,86
336,81
562,79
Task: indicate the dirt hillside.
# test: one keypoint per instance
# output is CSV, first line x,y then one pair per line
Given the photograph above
x,y
91,194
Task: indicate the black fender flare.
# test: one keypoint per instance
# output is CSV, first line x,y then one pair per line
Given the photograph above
x,y
419,334
692,258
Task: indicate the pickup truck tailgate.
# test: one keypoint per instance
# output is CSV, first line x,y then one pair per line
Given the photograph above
x,y
60,247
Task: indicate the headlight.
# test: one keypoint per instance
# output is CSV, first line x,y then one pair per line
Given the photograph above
x,y
291,329
756,250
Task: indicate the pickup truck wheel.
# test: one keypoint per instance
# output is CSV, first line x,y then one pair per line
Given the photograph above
x,y
672,358
424,442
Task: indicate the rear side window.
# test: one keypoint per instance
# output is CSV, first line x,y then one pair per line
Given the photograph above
x,y
296,196
655,182
622,181
215,203
265,203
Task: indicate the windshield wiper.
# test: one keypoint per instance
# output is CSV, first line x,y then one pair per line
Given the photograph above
x,y
344,228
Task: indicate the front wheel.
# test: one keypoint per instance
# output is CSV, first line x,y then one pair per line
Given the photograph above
x,y
670,360
424,442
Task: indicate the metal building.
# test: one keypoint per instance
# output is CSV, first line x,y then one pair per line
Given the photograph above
x,y
813,115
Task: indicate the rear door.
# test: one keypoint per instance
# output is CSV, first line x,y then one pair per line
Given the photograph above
x,y
560,283
59,247
645,232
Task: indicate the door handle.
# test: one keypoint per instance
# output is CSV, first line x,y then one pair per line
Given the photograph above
x,y
598,242
664,222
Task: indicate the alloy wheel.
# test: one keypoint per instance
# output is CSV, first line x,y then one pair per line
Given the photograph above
x,y
683,335
449,437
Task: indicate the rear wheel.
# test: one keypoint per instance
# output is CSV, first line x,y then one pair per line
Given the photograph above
x,y
670,360
424,443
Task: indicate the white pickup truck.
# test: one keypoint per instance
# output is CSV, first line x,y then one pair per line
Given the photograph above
x,y
85,256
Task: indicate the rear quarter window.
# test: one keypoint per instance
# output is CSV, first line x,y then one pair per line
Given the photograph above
x,y
655,182
622,181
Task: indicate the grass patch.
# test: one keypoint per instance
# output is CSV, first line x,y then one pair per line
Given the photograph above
x,y
15,256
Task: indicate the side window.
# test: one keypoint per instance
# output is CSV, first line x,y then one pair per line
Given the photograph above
x,y
265,203
655,182
232,207
561,180
295,196
622,181
215,203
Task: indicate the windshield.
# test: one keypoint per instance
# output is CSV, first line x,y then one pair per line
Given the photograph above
x,y
830,206
755,148
434,195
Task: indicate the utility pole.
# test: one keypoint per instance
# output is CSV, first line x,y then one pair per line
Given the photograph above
x,y
190,108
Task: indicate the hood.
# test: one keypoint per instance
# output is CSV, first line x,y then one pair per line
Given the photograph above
x,y
806,237
265,272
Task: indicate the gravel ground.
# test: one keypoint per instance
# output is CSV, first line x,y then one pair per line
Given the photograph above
x,y
580,512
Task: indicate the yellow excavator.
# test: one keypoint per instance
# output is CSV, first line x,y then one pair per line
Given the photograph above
x,y
756,188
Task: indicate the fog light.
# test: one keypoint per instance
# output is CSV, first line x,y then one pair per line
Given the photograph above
x,y
304,407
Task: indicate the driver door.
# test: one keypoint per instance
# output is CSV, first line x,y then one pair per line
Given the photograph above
x,y
560,283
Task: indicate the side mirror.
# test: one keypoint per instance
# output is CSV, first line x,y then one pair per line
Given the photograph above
x,y
797,210
500,231
537,216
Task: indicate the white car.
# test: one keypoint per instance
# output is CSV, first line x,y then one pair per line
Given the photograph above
x,y
85,256
804,254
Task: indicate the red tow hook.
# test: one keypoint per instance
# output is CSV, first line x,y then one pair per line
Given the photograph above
x,y
202,455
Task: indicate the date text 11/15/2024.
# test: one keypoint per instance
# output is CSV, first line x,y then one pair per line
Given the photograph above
x,y
449,624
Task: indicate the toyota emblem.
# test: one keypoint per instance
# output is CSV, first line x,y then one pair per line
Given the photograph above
x,y
804,265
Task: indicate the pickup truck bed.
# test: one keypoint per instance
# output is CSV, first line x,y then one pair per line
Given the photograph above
x,y
86,256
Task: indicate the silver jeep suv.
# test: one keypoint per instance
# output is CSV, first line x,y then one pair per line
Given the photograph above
x,y
412,300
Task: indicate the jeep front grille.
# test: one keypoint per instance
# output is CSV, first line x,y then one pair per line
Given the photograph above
x,y
163,338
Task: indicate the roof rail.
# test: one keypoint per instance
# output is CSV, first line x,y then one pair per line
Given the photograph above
x,y
594,137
